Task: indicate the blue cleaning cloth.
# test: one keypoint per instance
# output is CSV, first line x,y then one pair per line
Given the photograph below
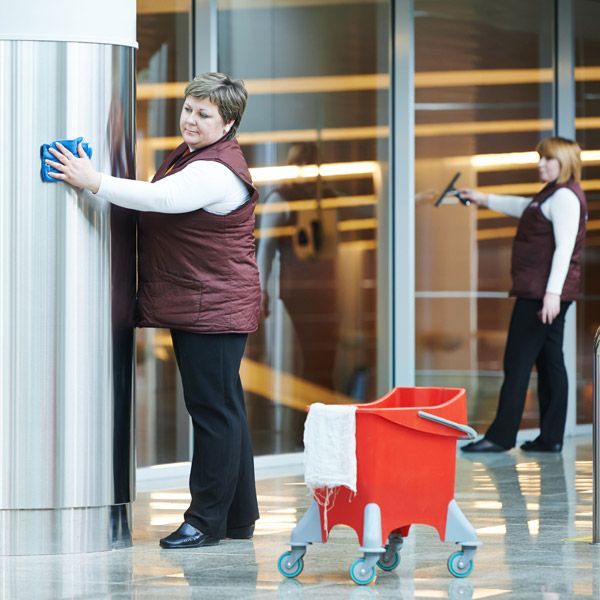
x,y
71,145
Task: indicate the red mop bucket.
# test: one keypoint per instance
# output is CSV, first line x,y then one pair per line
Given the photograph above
x,y
406,461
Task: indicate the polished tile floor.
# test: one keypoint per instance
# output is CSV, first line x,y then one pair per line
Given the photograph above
x,y
533,513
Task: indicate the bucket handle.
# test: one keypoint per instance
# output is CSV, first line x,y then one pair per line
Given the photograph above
x,y
470,433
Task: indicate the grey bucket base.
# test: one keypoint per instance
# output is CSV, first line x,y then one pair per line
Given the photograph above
x,y
65,530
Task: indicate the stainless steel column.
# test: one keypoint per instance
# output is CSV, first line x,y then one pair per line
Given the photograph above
x,y
67,281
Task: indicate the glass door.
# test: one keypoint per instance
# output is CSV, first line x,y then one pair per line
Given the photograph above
x,y
587,124
316,136
163,69
484,98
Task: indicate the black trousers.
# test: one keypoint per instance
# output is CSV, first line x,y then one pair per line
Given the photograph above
x,y
530,343
222,482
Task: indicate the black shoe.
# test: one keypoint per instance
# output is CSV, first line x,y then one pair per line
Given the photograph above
x,y
483,445
240,533
538,445
187,536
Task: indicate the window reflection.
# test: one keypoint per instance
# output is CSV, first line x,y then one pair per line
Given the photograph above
x,y
163,28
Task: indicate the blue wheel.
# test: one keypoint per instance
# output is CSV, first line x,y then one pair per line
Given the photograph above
x,y
388,562
359,574
288,568
458,566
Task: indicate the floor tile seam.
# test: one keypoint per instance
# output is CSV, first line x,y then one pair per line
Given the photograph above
x,y
88,582
112,581
153,582
186,584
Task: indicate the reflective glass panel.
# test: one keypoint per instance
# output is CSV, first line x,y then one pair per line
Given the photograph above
x,y
315,135
484,98
163,59
587,123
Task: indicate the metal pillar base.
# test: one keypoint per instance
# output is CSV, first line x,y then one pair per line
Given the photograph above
x,y
65,530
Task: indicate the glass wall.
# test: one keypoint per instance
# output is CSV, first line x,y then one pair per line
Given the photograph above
x,y
484,97
587,123
163,62
315,134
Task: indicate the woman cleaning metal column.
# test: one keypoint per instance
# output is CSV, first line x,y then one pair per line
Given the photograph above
x,y
67,281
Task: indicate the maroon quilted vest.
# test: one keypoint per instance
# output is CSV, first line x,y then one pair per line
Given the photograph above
x,y
197,270
533,248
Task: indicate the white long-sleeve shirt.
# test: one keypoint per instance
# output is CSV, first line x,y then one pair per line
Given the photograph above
x,y
203,184
562,209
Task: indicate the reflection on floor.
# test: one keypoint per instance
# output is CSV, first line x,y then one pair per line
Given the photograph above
x,y
532,513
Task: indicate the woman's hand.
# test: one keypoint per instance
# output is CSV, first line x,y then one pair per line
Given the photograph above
x,y
550,308
474,196
76,171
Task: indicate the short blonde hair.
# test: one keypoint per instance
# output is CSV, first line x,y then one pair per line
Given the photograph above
x,y
229,95
568,154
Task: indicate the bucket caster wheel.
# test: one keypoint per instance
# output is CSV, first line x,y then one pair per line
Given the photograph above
x,y
458,565
389,560
287,567
360,574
